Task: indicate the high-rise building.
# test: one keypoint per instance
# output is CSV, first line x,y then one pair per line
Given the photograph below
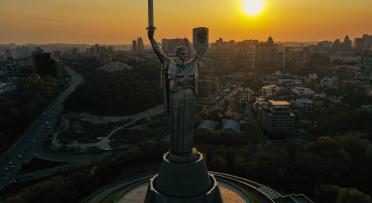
x,y
337,44
347,42
367,58
270,91
207,88
276,118
9,68
294,57
224,52
9,54
325,45
267,55
134,46
364,42
140,46
246,54
367,41
245,95
23,52
345,45
358,43
304,104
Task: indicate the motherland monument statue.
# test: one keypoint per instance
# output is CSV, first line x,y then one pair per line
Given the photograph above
x,y
183,175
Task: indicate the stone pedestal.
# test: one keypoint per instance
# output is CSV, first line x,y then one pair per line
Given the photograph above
x,y
187,182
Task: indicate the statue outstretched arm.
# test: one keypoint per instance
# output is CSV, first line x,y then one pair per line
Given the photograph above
x,y
196,58
162,57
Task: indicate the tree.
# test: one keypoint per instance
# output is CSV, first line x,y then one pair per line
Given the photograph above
x,y
326,193
352,195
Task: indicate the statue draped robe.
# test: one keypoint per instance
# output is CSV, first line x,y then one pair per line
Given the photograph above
x,y
179,82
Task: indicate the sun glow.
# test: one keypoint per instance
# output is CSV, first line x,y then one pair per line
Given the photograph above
x,y
253,7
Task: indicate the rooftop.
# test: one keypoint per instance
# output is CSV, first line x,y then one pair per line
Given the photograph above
x,y
269,86
279,103
208,124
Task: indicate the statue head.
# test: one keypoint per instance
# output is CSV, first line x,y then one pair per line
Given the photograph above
x,y
181,54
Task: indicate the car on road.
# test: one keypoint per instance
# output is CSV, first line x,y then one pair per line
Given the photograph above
x,y
19,156
10,163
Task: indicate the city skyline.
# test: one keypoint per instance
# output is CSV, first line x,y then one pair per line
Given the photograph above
x,y
110,22
205,101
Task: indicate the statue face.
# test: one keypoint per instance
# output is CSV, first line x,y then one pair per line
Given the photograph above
x,y
181,58
181,54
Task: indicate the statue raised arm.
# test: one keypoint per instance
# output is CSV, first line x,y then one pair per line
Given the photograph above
x,y
155,45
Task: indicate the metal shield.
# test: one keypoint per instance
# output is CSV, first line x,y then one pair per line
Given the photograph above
x,y
201,39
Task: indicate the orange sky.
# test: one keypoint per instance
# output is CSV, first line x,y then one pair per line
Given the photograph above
x,y
120,21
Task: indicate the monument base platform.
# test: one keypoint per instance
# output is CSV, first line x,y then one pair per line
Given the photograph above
x,y
232,189
183,182
211,196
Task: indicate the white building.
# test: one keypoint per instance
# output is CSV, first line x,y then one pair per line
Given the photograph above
x,y
335,99
313,76
346,59
329,81
245,95
270,91
207,127
7,87
304,104
231,126
290,81
303,91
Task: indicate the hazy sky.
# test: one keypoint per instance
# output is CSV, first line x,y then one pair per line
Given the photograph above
x,y
120,21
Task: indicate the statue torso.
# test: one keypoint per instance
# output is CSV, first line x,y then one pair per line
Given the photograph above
x,y
181,77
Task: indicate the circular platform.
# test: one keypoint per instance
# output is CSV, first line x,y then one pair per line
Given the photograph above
x,y
232,189
229,194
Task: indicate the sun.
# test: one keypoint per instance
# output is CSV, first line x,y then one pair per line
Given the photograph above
x,y
253,7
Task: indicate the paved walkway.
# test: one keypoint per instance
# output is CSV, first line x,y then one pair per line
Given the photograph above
x,y
91,118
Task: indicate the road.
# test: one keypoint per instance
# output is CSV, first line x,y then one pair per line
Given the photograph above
x,y
29,144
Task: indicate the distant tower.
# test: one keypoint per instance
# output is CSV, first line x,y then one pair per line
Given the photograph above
x,y
8,54
267,55
134,46
337,44
140,46
347,42
270,41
